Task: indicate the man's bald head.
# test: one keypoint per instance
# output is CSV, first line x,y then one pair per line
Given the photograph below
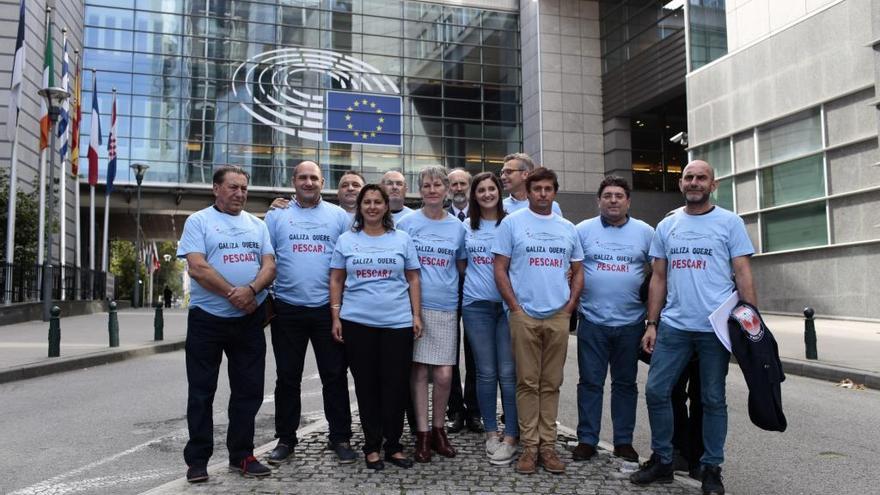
x,y
700,165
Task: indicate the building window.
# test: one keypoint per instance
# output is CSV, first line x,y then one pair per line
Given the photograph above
x,y
707,31
795,227
793,181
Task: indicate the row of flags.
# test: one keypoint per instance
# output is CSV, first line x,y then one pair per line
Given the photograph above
x,y
69,140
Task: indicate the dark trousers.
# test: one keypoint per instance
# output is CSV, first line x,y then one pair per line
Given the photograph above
x,y
687,414
292,330
243,341
380,360
464,403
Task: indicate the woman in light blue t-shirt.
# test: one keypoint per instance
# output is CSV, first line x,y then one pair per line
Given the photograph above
x,y
485,321
375,303
439,240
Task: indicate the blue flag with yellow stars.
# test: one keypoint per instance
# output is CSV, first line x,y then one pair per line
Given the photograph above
x,y
362,118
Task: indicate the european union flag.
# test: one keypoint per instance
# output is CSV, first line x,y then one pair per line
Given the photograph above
x,y
361,118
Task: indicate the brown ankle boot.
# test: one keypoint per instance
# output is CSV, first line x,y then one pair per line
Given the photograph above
x,y
551,462
423,447
440,443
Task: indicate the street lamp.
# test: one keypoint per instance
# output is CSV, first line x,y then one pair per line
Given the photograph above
x,y
55,97
139,171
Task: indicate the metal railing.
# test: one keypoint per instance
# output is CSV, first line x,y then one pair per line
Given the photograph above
x,y
26,283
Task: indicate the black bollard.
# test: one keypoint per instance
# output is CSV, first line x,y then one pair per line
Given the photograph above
x,y
810,333
158,324
113,326
55,332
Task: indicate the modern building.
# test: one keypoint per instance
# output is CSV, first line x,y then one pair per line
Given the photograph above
x,y
778,95
788,115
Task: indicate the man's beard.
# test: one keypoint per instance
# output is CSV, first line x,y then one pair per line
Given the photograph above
x,y
704,197
459,198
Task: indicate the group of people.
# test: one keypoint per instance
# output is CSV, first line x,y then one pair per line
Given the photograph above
x,y
380,289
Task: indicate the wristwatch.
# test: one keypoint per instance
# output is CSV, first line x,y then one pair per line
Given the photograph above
x,y
650,322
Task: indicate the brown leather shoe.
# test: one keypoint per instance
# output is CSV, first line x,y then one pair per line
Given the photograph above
x,y
423,447
551,461
440,442
583,452
528,461
626,452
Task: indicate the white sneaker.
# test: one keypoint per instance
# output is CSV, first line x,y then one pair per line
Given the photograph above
x,y
492,445
504,455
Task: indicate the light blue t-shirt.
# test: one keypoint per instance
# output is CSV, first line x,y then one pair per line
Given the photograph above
x,y
699,276
512,205
614,269
402,213
479,278
439,244
233,245
376,291
304,239
541,249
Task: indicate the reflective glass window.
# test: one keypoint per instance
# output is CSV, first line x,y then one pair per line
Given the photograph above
x,y
793,181
797,135
795,227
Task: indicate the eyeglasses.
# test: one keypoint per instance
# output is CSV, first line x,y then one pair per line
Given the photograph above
x,y
508,171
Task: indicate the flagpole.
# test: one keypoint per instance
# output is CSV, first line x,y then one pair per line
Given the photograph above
x,y
105,246
41,221
92,206
62,196
77,262
10,219
15,90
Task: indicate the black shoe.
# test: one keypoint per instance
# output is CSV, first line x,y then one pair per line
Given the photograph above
x,y
679,463
653,471
712,481
197,474
455,423
401,462
583,452
376,465
280,454
626,452
343,452
250,467
475,424
696,472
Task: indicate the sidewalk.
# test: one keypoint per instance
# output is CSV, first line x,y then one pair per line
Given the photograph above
x,y
847,349
85,342
314,470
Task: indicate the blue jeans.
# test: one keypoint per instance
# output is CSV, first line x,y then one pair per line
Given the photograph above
x,y
487,330
598,348
672,352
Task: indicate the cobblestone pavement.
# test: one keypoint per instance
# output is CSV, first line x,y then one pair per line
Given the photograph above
x,y
314,470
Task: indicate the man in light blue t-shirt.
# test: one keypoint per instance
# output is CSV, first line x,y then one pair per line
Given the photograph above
x,y
697,251
539,275
231,261
304,235
394,184
518,166
611,327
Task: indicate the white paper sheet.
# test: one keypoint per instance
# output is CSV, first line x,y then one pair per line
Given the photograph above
x,y
718,319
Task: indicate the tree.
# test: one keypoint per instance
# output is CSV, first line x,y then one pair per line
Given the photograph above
x,y
26,223
169,271
122,262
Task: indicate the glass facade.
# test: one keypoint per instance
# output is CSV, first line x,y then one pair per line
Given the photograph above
x,y
707,31
632,26
656,161
188,71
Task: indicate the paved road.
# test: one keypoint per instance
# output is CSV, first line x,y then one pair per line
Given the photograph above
x,y
831,445
117,429
120,429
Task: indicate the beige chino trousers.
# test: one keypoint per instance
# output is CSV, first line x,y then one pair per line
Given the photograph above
x,y
539,348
